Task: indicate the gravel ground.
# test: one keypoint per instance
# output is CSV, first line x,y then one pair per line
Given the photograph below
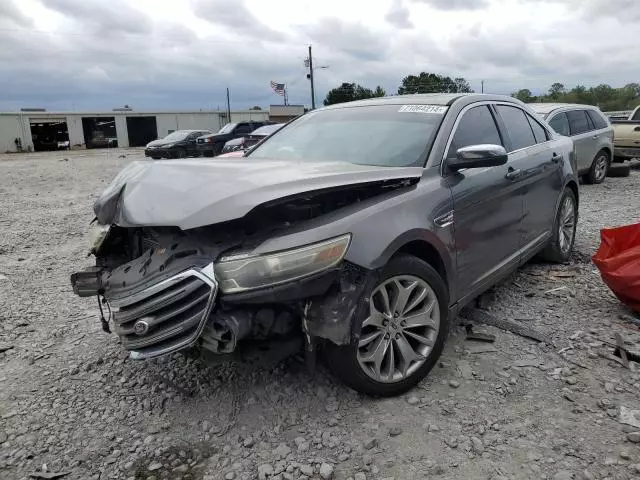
x,y
72,402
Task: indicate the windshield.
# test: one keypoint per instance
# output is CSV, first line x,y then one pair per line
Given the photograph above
x,y
175,136
228,128
267,129
383,135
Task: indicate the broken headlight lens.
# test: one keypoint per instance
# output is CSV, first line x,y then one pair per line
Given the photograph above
x,y
240,273
97,234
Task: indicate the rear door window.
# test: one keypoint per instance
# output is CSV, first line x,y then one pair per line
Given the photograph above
x,y
242,129
597,120
476,127
578,122
518,127
539,132
560,123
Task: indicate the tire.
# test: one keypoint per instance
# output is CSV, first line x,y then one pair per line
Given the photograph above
x,y
181,154
208,154
348,362
156,158
599,167
620,170
559,250
619,159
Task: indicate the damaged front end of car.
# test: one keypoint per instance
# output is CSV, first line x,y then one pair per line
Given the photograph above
x,y
163,289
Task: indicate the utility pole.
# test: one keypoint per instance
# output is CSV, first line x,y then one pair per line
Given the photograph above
x,y
310,77
482,83
228,107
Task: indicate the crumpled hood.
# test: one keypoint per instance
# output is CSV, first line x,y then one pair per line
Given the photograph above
x,y
194,193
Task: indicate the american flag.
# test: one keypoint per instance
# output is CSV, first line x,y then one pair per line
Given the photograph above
x,y
278,87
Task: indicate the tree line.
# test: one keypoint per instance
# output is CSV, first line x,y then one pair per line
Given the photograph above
x,y
604,96
422,83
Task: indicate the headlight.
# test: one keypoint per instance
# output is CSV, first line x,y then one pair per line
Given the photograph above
x,y
169,145
242,272
97,234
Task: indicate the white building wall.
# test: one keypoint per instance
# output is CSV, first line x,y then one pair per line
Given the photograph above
x,y
76,133
121,131
10,124
10,129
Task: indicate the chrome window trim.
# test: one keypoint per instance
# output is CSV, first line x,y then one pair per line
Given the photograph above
x,y
551,134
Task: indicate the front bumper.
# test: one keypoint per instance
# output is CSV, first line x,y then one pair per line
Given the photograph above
x,y
157,152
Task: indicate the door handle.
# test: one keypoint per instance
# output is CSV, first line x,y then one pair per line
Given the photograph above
x,y
556,158
512,174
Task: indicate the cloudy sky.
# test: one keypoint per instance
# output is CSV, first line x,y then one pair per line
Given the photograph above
x,y
172,54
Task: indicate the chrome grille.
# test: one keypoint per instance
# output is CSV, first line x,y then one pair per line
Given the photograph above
x,y
167,316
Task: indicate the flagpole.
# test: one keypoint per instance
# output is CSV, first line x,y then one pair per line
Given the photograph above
x,y
285,95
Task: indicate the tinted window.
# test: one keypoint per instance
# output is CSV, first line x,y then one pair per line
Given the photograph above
x,y
578,122
597,119
384,135
636,115
538,132
243,128
518,127
560,124
476,127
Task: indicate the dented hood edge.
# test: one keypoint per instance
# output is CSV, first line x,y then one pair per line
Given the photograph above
x,y
191,194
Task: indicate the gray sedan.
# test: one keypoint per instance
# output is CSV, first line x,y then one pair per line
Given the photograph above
x,y
360,229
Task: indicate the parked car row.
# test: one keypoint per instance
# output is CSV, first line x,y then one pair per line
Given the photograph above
x,y
195,143
359,230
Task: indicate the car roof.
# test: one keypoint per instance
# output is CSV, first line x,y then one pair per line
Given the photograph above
x,y
445,99
545,108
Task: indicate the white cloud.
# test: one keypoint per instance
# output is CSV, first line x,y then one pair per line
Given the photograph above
x,y
184,53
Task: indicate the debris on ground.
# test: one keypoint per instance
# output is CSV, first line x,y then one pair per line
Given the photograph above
x,y
49,475
481,316
479,336
629,417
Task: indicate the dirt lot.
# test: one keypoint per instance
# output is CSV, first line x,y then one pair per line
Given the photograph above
x,y
71,401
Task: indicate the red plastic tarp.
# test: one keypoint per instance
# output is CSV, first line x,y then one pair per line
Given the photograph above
x,y
618,260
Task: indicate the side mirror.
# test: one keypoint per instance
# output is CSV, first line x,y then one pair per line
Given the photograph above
x,y
478,156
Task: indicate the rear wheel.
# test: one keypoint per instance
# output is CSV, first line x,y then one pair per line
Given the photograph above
x,y
564,231
208,153
598,171
401,333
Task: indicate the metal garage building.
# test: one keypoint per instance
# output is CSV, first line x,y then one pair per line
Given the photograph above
x,y
42,130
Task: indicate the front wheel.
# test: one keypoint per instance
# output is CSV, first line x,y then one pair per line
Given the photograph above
x,y
599,167
564,229
401,332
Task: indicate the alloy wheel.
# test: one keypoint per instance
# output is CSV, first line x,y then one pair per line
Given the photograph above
x,y
600,169
567,224
401,329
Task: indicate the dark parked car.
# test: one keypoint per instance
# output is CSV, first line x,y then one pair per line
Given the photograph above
x,y
211,145
248,141
358,230
178,144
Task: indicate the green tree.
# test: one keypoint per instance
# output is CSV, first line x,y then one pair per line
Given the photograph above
x,y
379,92
556,90
348,92
524,95
433,83
256,107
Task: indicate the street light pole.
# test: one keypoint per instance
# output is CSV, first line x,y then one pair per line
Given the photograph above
x,y
313,93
